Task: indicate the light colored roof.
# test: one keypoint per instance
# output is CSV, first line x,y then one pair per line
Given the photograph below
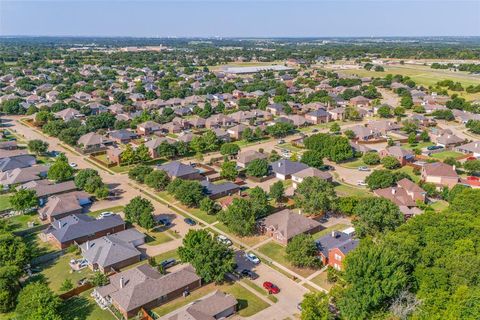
x,y
207,308
61,204
91,139
287,167
289,224
22,175
439,169
312,172
248,156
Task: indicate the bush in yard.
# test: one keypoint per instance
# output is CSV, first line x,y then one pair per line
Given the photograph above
x,y
157,180
36,301
139,173
371,158
257,168
24,199
211,259
390,162
140,211
302,251
67,285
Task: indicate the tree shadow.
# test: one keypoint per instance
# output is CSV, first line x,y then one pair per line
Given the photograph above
x,y
77,307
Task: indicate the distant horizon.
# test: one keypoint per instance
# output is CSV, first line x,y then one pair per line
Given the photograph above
x,y
240,18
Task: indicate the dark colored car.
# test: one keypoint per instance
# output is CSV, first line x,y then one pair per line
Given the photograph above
x,y
168,263
190,221
434,147
249,274
164,222
271,288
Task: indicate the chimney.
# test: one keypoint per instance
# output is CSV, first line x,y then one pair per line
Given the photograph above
x,y
279,164
394,191
454,167
59,224
121,282
333,234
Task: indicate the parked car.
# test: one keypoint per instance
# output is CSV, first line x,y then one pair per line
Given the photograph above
x,y
222,239
82,281
361,183
281,141
434,148
168,263
271,288
249,274
105,214
315,130
73,164
363,168
190,221
252,258
165,222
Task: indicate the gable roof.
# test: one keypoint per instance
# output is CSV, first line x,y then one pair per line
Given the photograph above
x,y
287,167
289,224
208,307
91,139
213,189
46,187
440,169
177,169
313,172
61,204
336,239
21,175
20,161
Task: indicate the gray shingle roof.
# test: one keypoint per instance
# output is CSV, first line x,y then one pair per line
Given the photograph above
x,y
344,242
213,189
287,167
177,169
20,161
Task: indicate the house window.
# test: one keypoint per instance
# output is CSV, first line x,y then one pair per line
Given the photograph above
x,y
338,257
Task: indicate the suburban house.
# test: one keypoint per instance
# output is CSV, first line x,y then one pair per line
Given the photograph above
x,y
145,287
62,205
92,142
122,136
384,126
298,177
360,101
439,173
153,144
47,188
405,195
222,134
79,228
114,155
337,113
448,140
403,156
317,116
334,247
176,169
147,128
284,168
245,157
217,305
113,251
470,148
68,114
236,132
363,133
218,190
286,224
22,175
15,162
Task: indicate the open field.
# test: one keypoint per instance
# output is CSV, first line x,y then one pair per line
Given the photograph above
x,y
424,75
245,64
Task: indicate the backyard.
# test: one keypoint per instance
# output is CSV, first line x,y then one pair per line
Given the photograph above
x,y
83,307
446,154
21,221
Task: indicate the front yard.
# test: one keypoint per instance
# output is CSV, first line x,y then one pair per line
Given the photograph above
x,y
409,170
116,209
347,190
276,252
446,154
248,303
249,241
321,280
335,227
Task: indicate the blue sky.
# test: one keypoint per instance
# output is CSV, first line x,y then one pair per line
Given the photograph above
x,y
241,18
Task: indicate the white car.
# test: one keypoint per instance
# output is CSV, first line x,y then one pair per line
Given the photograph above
x,y
252,258
73,164
222,239
105,214
361,183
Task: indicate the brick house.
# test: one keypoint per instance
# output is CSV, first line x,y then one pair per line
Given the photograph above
x,y
334,247
439,173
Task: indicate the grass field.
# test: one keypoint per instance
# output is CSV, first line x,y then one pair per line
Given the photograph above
x,y
245,64
5,201
248,303
277,253
446,154
348,190
424,75
321,280
409,170
440,205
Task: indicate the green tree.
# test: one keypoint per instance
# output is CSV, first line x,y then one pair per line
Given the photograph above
x,y
99,279
9,287
128,156
375,216
211,259
371,158
257,168
67,285
93,184
140,211
140,172
239,217
157,180
384,111
303,252
209,206
142,154
13,251
390,162
229,170
259,202
335,127
229,149
24,199
83,175
466,201
472,167
315,195
315,306
37,146
380,179
277,191
188,192
60,170
312,158
37,302
412,138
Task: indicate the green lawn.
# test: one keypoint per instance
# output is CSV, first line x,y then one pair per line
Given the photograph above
x,y
335,227
446,154
349,190
20,222
156,237
354,164
83,307
248,303
290,147
56,271
277,253
200,214
419,145
440,205
5,201
409,170
249,241
112,209
37,246
172,254
321,280
243,143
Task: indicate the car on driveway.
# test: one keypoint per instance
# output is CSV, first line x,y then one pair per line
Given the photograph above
x,y
222,239
105,214
190,221
434,148
168,263
271,288
164,222
249,274
252,258
73,164
363,168
361,183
